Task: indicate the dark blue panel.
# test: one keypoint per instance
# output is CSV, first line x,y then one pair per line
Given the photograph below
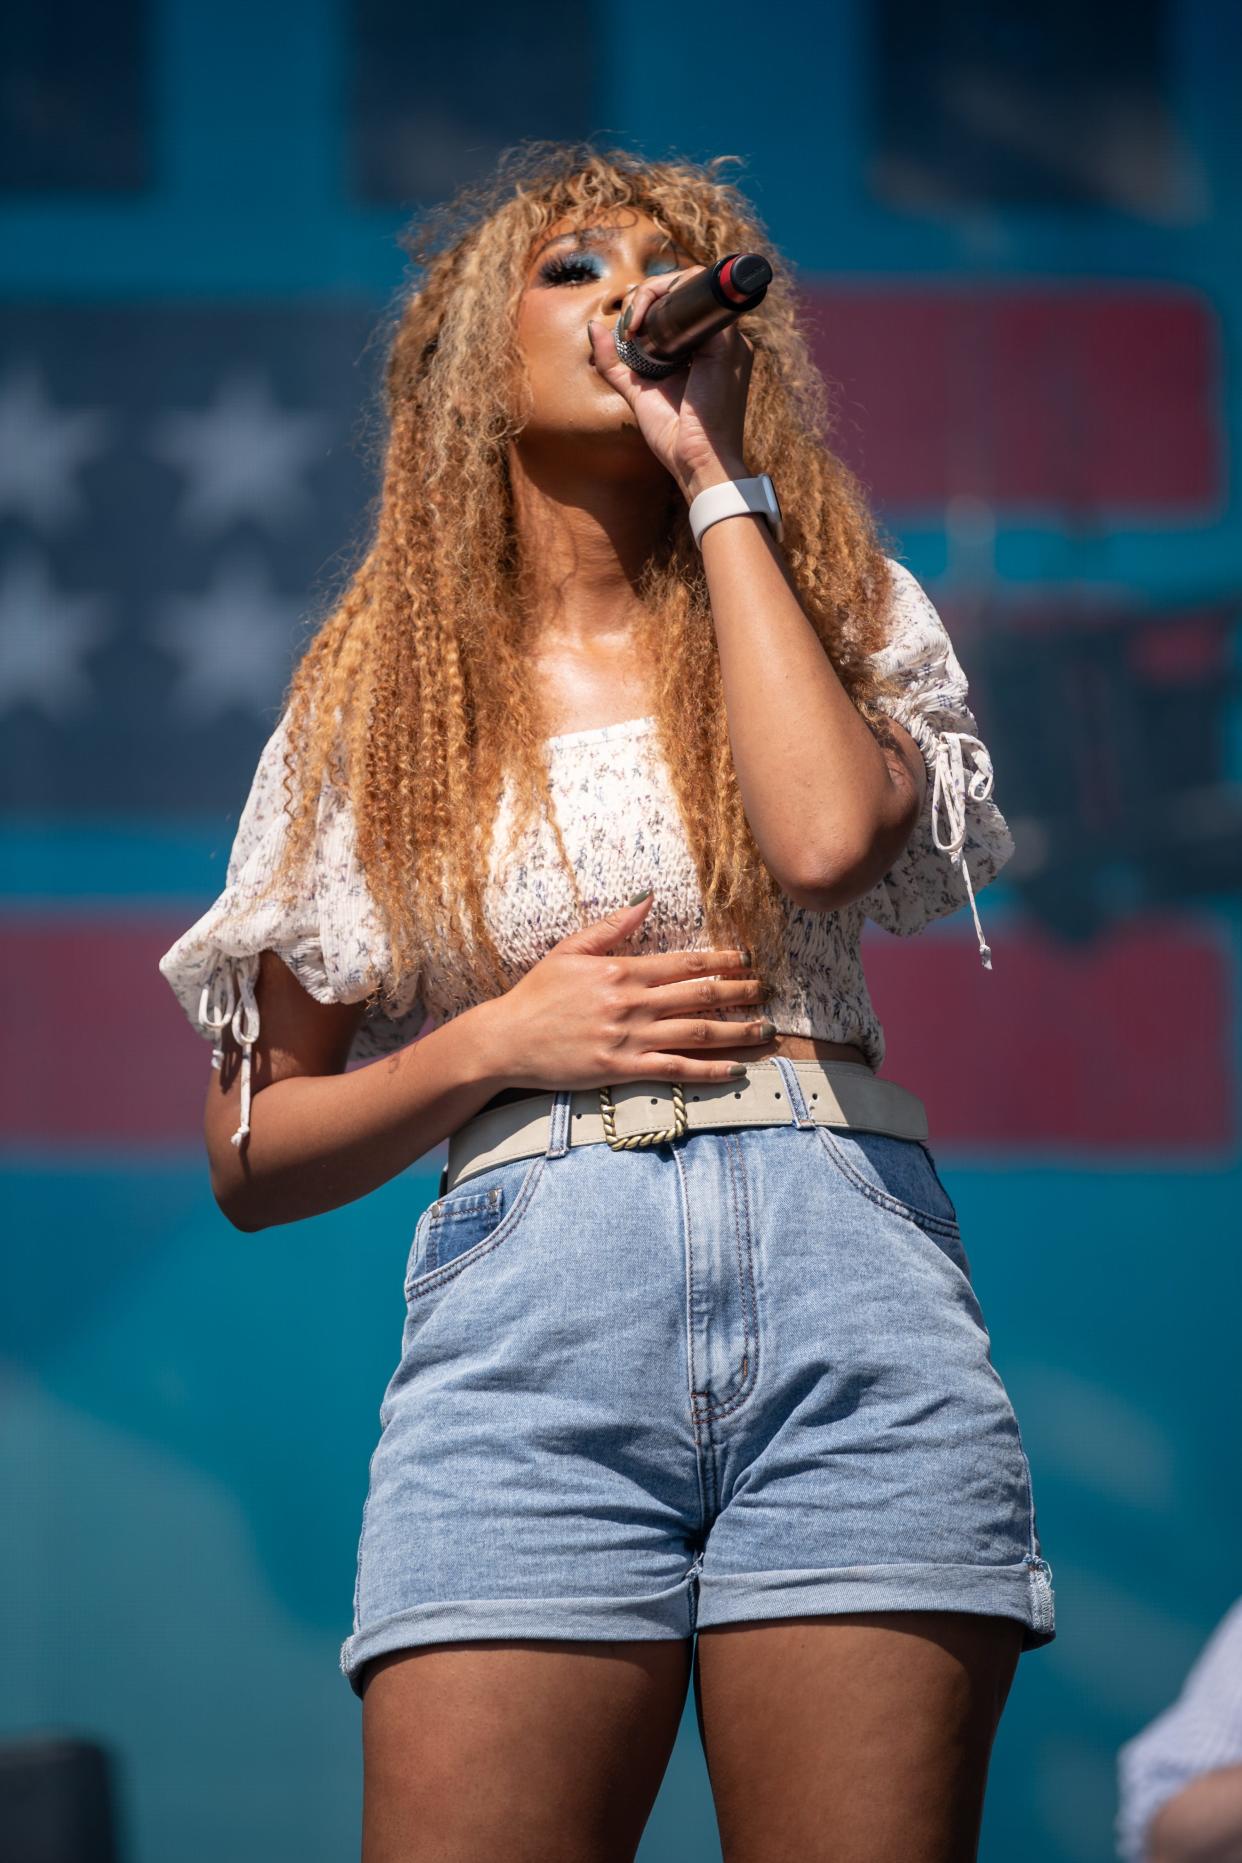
x,y
1049,104
75,101
438,92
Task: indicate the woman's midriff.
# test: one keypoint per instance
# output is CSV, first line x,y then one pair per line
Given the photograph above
x,y
797,1047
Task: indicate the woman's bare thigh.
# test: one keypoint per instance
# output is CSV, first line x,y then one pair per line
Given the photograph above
x,y
538,1751
864,1738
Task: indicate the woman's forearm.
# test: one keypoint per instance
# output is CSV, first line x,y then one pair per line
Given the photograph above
x,y
815,785
318,1141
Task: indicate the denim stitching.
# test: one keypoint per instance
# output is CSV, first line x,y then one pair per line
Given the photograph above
x,y
704,1449
750,1339
469,1203
927,1150
884,1198
414,1249
362,1529
1031,1555
936,1236
690,1309
705,1394
1030,1491
1039,1581
470,1206
733,1158
709,1409
748,1292
436,1277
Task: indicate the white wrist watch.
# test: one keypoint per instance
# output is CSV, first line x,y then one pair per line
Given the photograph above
x,y
734,497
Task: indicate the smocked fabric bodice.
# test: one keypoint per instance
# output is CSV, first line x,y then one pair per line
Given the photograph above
x,y
622,830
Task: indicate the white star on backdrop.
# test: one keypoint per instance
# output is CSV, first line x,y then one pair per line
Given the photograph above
x,y
234,641
241,456
44,634
42,447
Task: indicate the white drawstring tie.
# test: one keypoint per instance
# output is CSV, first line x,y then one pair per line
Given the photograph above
x,y
228,1002
949,789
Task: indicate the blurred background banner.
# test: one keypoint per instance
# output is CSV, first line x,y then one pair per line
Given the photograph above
x,y
1017,230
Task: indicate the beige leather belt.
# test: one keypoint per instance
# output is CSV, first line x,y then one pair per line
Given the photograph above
x,y
639,1113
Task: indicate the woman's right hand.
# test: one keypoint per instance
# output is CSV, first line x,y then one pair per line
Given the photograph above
x,y
582,1017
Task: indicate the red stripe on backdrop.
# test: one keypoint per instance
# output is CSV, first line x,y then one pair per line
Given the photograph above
x,y
1127,1045
101,1052
1079,397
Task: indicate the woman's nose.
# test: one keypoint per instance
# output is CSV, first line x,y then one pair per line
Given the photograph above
x,y
617,300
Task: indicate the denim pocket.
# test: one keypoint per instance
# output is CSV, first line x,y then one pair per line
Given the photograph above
x,y
458,1229
900,1175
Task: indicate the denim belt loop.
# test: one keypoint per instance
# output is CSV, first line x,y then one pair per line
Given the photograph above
x,y
800,1112
558,1122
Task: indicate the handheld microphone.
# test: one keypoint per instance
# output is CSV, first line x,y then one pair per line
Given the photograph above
x,y
686,315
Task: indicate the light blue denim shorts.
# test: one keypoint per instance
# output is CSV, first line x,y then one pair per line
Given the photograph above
x,y
735,1375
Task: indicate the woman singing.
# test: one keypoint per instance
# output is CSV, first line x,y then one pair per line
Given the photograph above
x,y
575,820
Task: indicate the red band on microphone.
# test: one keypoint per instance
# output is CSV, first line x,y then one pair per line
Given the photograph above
x,y
725,281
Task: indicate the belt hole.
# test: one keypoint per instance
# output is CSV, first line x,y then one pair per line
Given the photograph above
x,y
815,1096
778,1096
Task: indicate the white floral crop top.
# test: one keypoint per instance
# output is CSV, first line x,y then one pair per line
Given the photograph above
x,y
622,830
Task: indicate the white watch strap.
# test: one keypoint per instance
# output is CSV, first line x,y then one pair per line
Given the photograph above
x,y
733,498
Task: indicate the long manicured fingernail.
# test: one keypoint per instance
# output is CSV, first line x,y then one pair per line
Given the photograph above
x,y
646,894
737,1070
625,320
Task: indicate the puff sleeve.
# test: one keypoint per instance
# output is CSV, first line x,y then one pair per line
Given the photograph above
x,y
961,840
324,936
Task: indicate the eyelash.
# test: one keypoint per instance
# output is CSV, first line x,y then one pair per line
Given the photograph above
x,y
557,270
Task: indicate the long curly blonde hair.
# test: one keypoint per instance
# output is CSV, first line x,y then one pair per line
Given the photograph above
x,y
415,691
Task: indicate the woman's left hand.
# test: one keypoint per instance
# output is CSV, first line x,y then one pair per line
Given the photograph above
x,y
693,420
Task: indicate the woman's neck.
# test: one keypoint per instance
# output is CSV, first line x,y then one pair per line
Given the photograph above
x,y
583,540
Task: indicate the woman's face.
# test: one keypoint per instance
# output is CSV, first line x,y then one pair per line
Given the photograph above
x,y
578,271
